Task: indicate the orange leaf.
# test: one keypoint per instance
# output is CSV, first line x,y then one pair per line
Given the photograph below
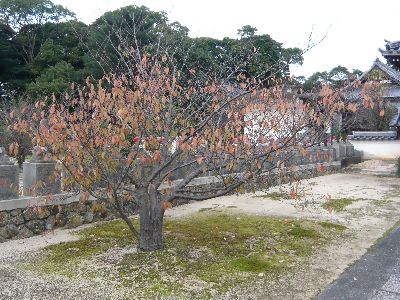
x,y
200,159
167,205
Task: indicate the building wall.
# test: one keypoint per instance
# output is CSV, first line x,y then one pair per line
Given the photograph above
x,y
378,149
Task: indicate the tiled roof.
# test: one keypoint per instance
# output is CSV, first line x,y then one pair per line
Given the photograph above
x,y
395,122
390,72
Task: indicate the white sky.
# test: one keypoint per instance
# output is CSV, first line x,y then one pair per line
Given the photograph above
x,y
355,29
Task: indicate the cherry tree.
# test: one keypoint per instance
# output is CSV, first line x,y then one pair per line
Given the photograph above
x,y
146,139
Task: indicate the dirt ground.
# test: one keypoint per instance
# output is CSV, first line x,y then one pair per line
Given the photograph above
x,y
374,210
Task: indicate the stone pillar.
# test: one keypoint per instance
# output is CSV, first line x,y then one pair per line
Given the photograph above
x,y
9,179
349,149
328,154
38,176
315,155
340,150
334,152
320,154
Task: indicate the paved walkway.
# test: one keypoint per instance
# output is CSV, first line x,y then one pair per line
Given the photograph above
x,y
376,276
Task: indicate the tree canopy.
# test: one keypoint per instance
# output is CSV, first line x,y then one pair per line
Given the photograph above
x,y
336,77
20,13
40,40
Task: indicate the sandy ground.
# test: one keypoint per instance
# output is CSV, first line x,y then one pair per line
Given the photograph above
x,y
376,210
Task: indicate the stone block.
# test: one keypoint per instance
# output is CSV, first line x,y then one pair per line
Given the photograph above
x,y
9,231
327,154
17,220
39,179
61,220
9,178
319,154
349,149
340,150
36,226
298,159
334,153
74,220
4,218
24,232
88,217
50,222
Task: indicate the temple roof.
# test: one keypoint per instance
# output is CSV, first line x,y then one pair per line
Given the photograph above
x,y
391,91
393,74
391,48
395,121
392,53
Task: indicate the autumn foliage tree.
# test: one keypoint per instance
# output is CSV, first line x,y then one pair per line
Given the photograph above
x,y
128,139
376,112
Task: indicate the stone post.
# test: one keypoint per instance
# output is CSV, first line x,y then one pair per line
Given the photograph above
x,y
349,149
328,154
38,175
340,150
320,154
9,179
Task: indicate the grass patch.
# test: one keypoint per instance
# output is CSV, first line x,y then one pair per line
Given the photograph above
x,y
252,264
276,196
338,204
384,176
205,209
330,225
381,203
205,255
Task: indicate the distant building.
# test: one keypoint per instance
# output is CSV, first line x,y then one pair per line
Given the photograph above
x,y
389,76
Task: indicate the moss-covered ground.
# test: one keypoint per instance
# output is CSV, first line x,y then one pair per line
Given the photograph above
x,y
338,204
276,196
205,255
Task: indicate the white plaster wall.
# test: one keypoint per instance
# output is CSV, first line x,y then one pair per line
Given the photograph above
x,y
378,149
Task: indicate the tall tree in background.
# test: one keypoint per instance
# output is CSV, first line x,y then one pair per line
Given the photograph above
x,y
128,32
26,16
30,22
338,76
60,60
11,65
49,50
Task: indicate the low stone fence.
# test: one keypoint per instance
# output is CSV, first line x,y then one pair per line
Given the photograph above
x,y
27,216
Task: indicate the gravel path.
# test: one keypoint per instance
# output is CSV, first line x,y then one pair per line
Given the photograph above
x,y
17,283
365,219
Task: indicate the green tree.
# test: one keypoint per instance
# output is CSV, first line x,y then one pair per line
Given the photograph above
x,y
264,57
246,31
27,16
11,67
20,13
338,76
128,32
54,80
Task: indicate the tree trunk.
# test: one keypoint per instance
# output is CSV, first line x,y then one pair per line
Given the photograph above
x,y
151,214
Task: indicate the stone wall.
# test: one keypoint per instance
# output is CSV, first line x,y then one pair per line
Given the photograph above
x,y
9,186
387,150
22,218
27,216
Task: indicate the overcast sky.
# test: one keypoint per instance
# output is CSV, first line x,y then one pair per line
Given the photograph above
x,y
354,29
